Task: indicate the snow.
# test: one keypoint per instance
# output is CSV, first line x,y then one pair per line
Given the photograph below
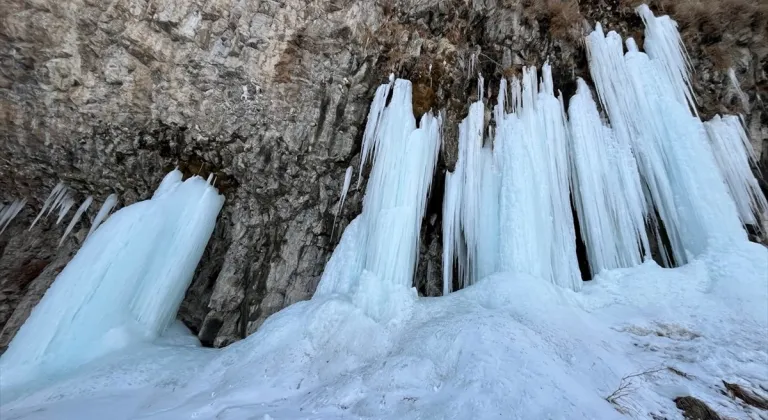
x,y
124,285
510,346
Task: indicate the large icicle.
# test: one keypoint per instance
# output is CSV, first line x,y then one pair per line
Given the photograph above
x,y
607,190
124,285
735,158
404,158
107,207
646,112
344,191
79,213
663,42
535,219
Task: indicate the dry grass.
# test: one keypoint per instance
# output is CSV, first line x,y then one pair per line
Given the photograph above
x,y
713,19
562,17
718,26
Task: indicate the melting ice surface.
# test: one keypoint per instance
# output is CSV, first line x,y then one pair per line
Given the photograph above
x,y
520,342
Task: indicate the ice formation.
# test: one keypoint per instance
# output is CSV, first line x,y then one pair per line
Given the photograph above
x,y
735,158
650,112
535,218
106,207
404,159
470,215
344,191
76,218
743,98
124,285
8,212
607,191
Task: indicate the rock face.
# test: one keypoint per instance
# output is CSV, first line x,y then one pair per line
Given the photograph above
x,y
271,96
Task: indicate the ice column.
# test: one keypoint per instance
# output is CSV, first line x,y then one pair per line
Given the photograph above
x,y
124,285
470,215
649,112
735,158
607,191
535,219
378,252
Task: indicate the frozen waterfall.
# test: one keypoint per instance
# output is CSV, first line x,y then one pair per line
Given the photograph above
x,y
124,285
378,252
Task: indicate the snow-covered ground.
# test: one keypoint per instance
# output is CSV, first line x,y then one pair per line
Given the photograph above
x,y
509,347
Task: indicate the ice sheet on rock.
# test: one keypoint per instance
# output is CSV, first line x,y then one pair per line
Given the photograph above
x,y
123,286
743,98
106,207
607,191
735,158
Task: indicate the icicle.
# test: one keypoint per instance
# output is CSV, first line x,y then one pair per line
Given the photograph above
x,y
737,87
371,133
607,191
404,159
122,287
451,225
642,99
344,190
54,195
663,42
735,158
107,207
9,212
83,207
65,206
535,221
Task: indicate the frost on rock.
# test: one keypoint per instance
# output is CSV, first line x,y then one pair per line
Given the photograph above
x,y
735,158
124,285
404,159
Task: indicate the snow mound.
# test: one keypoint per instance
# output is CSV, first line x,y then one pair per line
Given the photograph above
x,y
510,346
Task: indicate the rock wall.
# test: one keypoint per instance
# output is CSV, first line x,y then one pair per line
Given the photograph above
x,y
271,96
